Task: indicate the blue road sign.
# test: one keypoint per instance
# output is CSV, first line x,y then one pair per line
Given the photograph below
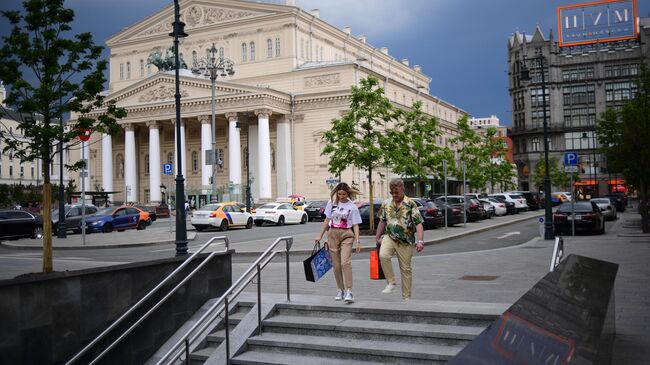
x,y
167,169
571,159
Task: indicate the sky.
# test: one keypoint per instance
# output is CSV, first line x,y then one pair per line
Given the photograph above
x,y
460,44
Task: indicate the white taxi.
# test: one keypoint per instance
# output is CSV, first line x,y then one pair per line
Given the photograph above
x,y
279,213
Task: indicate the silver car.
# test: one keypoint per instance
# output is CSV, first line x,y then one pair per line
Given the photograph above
x,y
607,207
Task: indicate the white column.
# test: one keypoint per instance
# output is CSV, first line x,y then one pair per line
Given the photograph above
x,y
206,144
130,172
154,162
107,164
234,150
86,154
252,160
283,156
264,154
183,152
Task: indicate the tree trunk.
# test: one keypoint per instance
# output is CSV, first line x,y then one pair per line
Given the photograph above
x,y
371,211
47,226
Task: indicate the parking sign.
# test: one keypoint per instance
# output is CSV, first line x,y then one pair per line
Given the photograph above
x,y
167,169
570,159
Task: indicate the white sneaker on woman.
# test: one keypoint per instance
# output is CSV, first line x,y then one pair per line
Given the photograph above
x,y
349,298
339,295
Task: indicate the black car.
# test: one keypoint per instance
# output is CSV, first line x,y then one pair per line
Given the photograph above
x,y
454,214
432,216
588,217
364,212
16,224
533,199
510,206
72,216
619,200
316,210
470,206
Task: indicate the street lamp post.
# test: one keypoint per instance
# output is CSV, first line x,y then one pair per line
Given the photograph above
x,y
539,61
248,172
61,232
214,66
594,165
181,229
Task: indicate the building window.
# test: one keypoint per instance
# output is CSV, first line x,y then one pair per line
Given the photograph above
x,y
244,153
244,52
576,140
578,74
579,94
141,68
537,97
147,196
147,167
269,48
619,91
11,171
277,47
579,117
195,161
534,145
148,69
195,59
621,70
321,54
119,165
121,71
128,70
32,171
252,51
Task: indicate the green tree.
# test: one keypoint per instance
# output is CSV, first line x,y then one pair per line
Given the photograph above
x,y
557,175
415,152
473,153
498,170
50,73
359,137
623,137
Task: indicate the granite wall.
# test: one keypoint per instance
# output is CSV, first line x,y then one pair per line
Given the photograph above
x,y
48,318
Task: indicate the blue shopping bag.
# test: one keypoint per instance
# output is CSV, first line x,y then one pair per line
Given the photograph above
x,y
318,264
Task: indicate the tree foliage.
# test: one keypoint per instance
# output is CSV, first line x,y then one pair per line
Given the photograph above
x,y
359,137
50,73
623,137
414,151
557,176
498,170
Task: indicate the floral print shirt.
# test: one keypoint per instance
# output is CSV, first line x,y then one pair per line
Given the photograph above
x,y
401,222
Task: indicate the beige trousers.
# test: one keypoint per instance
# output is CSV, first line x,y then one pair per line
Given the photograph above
x,y
404,252
339,242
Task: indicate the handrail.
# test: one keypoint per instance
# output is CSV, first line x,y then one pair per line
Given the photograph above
x,y
221,304
147,296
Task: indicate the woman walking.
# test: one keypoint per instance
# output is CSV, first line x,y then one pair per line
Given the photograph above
x,y
342,220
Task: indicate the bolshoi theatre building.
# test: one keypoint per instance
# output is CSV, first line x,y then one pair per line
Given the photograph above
x,y
293,76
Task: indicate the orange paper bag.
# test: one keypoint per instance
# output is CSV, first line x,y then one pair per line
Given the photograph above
x,y
376,273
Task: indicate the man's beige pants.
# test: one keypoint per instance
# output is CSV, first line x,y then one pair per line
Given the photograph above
x,y
339,242
404,252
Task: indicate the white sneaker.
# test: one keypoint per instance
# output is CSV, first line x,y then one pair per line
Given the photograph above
x,y
389,288
339,295
349,298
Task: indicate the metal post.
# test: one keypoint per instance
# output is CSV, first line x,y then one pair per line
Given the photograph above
x,y
548,223
227,325
169,200
83,193
181,228
259,300
213,197
597,190
465,205
61,225
573,212
288,246
448,207
248,172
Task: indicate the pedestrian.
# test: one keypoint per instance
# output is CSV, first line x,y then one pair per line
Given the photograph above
x,y
401,220
341,222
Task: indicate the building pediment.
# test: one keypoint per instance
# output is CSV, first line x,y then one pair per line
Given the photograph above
x,y
197,14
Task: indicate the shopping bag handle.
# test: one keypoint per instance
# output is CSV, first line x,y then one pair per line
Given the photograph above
x,y
317,247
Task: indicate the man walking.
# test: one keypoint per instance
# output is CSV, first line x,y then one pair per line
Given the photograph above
x,y
402,221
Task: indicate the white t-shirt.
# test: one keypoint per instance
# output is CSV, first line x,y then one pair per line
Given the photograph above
x,y
342,215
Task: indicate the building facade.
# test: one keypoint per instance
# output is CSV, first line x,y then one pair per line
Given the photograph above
x,y
293,76
582,81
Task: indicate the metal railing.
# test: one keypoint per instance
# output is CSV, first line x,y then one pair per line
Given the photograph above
x,y
147,296
222,305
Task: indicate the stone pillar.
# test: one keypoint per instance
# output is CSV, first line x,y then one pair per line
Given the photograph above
x,y
206,144
107,164
130,170
154,162
283,158
183,152
264,154
234,150
252,159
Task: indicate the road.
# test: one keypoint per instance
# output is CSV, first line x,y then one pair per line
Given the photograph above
x,y
15,262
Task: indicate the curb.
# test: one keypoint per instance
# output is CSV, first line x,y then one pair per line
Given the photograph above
x,y
81,247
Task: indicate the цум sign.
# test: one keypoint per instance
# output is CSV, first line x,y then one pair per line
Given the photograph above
x,y
597,22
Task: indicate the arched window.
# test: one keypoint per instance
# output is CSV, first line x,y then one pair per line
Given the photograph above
x,y
119,166
244,52
147,167
534,144
277,47
252,51
128,70
269,48
141,68
121,71
195,161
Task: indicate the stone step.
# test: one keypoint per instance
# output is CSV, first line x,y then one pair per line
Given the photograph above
x,y
375,330
359,349
280,358
199,356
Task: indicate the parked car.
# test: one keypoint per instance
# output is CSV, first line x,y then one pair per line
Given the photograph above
x,y
16,224
432,216
470,207
316,210
520,201
533,199
222,216
488,208
498,207
150,210
588,217
607,207
279,213
117,218
619,200
72,216
477,196
454,214
509,205
364,212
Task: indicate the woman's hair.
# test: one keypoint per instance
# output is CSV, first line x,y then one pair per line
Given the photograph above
x,y
352,193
